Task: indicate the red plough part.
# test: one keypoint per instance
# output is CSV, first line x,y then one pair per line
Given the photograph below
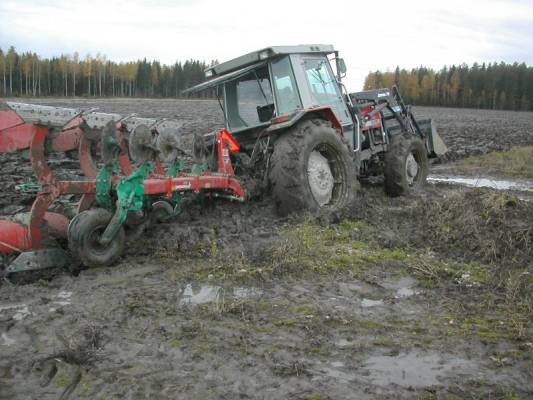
x,y
132,150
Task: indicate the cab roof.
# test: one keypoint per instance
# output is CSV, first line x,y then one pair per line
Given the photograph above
x,y
236,67
265,54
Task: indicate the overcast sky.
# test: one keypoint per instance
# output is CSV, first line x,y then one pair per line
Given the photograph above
x,y
369,34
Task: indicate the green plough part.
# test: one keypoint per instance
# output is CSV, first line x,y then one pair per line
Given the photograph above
x,y
175,169
130,194
130,190
30,187
103,187
199,169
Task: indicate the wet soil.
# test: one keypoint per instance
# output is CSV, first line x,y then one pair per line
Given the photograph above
x,y
473,132
426,296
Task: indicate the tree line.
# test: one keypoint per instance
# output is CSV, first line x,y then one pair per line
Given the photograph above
x,y
490,86
28,74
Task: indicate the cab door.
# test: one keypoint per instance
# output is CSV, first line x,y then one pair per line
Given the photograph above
x,y
323,89
318,87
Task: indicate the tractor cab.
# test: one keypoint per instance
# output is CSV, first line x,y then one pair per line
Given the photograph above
x,y
265,88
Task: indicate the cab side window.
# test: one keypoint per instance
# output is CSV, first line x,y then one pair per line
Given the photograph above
x,y
287,98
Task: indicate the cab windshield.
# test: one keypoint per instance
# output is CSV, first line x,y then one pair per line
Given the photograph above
x,y
321,81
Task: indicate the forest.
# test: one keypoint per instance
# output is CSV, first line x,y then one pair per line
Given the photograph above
x,y
28,74
489,86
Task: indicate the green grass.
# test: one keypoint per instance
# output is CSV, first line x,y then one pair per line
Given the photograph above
x,y
517,162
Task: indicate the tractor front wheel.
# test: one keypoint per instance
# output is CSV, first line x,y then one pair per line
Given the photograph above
x,y
406,165
311,169
84,233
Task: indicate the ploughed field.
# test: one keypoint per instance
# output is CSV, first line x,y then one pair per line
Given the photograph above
x,y
426,296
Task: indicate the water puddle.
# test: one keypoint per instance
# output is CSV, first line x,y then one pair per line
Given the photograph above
x,y
201,295
21,311
412,369
403,288
244,292
63,298
335,369
520,185
194,294
404,292
64,295
7,341
342,343
4,307
365,303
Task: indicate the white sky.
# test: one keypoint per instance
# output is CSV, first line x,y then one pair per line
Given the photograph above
x,y
370,35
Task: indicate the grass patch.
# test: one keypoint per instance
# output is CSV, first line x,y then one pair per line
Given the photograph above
x,y
517,162
349,247
482,225
431,271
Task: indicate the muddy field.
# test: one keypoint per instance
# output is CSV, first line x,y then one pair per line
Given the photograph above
x,y
427,296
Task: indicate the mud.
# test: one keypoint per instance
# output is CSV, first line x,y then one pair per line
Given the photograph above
x,y
426,296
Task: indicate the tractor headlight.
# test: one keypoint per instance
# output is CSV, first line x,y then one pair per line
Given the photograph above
x,y
263,55
209,73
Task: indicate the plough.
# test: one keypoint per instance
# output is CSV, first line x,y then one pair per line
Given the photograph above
x,y
133,176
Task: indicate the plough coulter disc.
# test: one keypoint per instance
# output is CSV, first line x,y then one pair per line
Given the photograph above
x,y
141,144
168,144
110,146
199,148
84,233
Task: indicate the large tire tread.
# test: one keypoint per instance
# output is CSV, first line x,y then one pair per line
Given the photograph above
x,y
288,163
395,179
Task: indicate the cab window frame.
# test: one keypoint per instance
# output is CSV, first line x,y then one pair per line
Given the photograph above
x,y
295,88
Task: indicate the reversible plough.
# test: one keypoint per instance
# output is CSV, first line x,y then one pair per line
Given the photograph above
x,y
134,175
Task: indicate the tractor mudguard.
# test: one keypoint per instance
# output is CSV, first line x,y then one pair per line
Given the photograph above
x,y
286,121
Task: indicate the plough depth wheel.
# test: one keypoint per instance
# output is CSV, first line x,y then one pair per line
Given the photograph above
x,y
84,234
161,212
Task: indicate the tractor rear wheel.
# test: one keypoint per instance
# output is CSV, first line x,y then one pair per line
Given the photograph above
x,y
406,165
84,233
311,169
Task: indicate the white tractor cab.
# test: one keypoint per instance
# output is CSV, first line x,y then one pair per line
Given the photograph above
x,y
306,138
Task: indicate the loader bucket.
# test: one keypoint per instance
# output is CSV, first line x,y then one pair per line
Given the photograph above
x,y
435,145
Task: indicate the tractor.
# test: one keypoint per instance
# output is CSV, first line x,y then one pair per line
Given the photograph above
x,y
291,128
298,132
